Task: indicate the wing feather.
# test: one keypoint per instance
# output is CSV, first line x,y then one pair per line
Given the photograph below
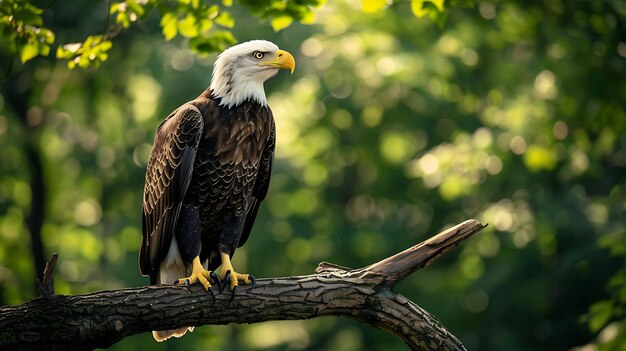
x,y
168,174
261,185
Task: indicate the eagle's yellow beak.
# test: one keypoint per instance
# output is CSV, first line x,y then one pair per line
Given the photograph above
x,y
283,60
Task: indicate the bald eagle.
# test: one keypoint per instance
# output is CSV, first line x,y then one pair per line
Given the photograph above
x,y
208,172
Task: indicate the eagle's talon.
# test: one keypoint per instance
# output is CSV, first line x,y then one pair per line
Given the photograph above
x,y
198,275
226,278
217,280
228,274
232,295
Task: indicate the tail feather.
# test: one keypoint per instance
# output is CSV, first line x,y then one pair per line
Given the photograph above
x,y
170,270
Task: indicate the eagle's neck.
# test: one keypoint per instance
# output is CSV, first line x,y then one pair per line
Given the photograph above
x,y
233,90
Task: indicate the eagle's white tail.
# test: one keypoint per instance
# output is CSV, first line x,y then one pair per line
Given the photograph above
x,y
162,335
171,268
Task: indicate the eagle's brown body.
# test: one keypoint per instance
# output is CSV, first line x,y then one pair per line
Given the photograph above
x,y
207,174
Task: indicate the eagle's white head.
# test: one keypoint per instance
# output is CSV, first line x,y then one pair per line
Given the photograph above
x,y
240,71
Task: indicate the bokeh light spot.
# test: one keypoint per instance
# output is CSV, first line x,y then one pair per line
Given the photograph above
x,y
299,250
87,213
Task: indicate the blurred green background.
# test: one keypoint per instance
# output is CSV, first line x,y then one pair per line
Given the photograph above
x,y
391,128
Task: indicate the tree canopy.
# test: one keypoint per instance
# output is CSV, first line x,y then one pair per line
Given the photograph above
x,y
401,118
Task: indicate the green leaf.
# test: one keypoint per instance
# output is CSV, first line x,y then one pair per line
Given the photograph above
x,y
600,314
370,6
44,50
309,18
114,8
225,19
187,27
280,22
227,3
438,4
135,7
204,25
417,7
105,46
27,52
46,36
218,41
122,18
420,10
91,52
29,14
170,28
69,50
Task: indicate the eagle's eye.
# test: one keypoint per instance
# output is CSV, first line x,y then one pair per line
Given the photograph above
x,y
258,55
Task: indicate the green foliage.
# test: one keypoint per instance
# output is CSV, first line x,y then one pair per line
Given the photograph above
x,y
91,52
22,24
420,8
218,41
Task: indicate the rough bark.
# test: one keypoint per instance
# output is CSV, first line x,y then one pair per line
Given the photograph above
x,y
100,319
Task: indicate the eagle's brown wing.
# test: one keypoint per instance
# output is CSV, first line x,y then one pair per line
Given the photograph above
x,y
168,174
261,185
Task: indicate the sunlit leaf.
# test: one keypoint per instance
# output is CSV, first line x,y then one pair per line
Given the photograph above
x,y
105,45
27,52
211,12
170,28
225,19
438,4
205,24
47,36
68,50
135,7
281,22
417,7
44,50
187,27
420,9
370,6
114,8
309,18
122,18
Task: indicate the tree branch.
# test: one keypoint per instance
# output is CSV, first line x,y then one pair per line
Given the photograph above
x,y
45,285
103,318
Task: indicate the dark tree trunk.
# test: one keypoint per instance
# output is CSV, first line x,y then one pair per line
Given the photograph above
x,y
18,92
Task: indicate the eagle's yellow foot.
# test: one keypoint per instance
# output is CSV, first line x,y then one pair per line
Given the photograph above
x,y
201,275
227,272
